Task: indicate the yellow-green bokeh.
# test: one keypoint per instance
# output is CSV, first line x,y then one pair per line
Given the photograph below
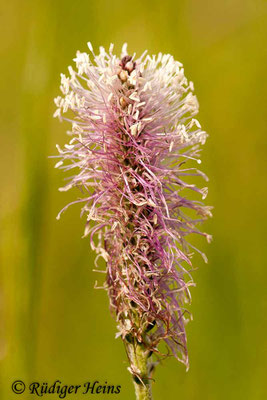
x,y
54,325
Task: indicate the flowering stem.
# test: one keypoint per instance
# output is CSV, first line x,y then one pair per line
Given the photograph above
x,y
133,130
138,357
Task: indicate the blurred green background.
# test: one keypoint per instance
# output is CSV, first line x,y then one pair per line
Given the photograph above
x,y
54,325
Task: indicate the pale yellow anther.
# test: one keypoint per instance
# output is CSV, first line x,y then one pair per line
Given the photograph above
x,y
123,76
129,66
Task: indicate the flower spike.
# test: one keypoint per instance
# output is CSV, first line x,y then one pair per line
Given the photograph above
x,y
133,135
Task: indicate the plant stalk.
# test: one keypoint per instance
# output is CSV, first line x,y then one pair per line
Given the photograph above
x,y
138,357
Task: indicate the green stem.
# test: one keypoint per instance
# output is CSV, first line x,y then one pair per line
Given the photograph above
x,y
138,357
